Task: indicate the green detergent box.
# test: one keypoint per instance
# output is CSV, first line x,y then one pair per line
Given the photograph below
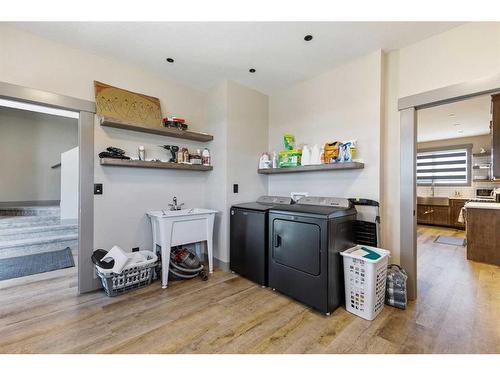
x,y
289,158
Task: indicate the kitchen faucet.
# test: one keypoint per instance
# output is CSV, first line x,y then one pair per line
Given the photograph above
x,y
175,206
432,188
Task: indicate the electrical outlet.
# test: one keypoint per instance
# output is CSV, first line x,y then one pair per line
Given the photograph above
x,y
135,249
97,189
235,188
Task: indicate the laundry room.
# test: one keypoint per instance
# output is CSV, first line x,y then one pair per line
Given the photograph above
x,y
237,196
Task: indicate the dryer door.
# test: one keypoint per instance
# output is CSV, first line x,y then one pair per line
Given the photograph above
x,y
297,244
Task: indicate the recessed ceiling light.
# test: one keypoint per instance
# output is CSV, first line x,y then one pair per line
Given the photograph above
x,y
251,70
170,60
451,115
308,38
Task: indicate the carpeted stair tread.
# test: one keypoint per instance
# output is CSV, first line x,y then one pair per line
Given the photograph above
x,y
7,234
37,240
27,221
38,248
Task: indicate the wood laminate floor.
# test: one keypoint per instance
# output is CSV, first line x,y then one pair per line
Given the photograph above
x,y
458,311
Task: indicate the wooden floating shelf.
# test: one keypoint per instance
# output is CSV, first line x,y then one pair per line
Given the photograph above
x,y
154,164
313,168
479,155
159,130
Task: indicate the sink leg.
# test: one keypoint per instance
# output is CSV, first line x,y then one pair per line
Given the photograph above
x,y
165,253
210,231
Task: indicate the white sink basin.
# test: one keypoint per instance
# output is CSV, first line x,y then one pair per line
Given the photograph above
x,y
185,212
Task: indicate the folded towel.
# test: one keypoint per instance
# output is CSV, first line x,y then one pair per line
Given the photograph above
x,y
119,256
461,216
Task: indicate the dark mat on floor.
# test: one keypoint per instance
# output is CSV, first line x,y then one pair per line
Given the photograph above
x,y
11,268
447,240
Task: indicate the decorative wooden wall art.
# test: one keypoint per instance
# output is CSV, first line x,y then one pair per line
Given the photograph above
x,y
126,105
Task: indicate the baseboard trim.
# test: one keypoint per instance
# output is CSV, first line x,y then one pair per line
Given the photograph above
x,y
223,266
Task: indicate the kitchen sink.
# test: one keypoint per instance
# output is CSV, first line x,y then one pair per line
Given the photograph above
x,y
433,201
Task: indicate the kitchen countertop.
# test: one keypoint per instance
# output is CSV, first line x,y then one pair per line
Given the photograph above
x,y
483,205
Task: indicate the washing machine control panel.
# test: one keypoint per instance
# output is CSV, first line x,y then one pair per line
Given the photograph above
x,y
325,201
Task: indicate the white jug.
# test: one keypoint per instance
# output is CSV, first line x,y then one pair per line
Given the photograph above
x,y
315,155
306,156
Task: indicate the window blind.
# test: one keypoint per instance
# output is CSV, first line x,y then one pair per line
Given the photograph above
x,y
443,167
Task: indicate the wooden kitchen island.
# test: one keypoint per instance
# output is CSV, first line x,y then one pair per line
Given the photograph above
x,y
483,232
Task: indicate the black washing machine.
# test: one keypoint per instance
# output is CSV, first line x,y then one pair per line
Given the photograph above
x,y
305,240
248,237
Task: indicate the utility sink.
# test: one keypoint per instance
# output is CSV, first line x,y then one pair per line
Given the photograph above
x,y
185,212
181,227
433,201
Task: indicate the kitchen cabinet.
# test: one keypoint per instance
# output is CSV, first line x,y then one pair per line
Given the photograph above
x,y
483,236
441,215
446,216
495,128
424,213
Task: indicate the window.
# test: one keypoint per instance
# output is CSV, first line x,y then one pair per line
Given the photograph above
x,y
444,166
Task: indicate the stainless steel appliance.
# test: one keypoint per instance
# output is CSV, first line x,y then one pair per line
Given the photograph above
x,y
249,236
484,193
305,240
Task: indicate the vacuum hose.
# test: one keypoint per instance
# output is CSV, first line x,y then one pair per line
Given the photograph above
x,y
185,264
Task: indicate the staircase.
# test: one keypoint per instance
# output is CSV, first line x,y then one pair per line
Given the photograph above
x,y
32,230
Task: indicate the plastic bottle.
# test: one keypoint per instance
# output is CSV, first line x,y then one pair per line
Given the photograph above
x,y
142,153
205,156
275,160
306,156
315,156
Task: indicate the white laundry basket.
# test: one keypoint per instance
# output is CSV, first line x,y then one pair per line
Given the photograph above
x,y
365,282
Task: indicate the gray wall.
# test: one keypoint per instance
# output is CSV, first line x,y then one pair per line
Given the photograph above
x,y
30,143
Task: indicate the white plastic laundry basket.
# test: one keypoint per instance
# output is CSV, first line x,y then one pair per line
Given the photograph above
x,y
365,282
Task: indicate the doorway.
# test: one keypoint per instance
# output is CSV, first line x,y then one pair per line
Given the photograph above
x,y
77,197
408,108
39,193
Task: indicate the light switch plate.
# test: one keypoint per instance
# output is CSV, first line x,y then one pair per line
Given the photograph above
x,y
97,189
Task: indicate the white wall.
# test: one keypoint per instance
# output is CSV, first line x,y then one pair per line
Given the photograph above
x,y
30,143
216,195
342,104
462,54
248,138
238,117
69,185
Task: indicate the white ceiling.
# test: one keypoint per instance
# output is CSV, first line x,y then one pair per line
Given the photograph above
x,y
206,53
455,120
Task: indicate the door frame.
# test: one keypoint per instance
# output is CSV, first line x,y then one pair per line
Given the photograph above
x,y
86,109
408,107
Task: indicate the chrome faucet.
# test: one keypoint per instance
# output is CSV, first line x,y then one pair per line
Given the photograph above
x,y
432,188
175,206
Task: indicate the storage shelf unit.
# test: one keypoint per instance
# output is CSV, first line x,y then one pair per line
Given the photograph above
x,y
313,168
159,130
153,164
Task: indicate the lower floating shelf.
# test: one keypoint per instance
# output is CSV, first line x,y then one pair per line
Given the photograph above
x,y
313,168
154,164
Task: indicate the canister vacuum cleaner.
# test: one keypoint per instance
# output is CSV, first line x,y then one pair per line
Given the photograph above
x,y
185,264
